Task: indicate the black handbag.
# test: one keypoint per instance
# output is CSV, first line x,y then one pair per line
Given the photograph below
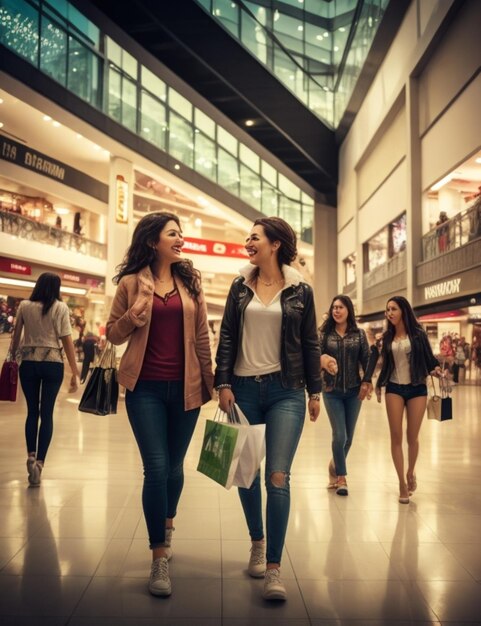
x,y
101,391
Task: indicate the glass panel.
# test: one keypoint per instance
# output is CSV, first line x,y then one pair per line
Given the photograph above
x,y
180,139
249,157
269,173
113,51
129,104
250,188
179,104
53,51
228,176
290,33
86,27
227,141
291,212
269,200
228,13
205,157
253,37
153,123
114,102
19,28
307,222
204,123
84,73
129,64
154,84
288,188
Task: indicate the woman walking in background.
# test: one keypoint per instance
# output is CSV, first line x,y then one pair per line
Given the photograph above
x,y
45,322
344,350
407,359
268,355
160,309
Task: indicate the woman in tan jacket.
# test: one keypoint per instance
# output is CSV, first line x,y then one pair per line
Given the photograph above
x,y
160,310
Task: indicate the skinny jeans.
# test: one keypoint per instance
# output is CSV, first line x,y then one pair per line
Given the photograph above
x,y
343,410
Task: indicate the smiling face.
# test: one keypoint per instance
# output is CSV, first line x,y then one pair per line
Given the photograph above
x,y
259,248
393,313
171,241
339,312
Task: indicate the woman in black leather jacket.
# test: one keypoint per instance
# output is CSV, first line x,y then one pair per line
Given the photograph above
x,y
407,359
344,349
268,355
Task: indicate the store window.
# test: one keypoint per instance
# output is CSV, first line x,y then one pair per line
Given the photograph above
x,y
19,28
349,264
153,120
181,146
386,244
228,172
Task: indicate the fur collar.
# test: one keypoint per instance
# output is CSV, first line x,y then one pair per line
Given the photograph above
x,y
291,276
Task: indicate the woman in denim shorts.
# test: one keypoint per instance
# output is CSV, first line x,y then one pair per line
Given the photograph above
x,y
407,359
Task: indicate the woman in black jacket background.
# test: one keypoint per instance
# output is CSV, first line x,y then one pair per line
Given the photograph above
x,y
344,349
407,360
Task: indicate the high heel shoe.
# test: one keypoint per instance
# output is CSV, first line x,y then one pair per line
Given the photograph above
x,y
403,499
412,484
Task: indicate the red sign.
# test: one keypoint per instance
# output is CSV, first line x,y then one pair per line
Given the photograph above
x,y
214,248
15,267
81,279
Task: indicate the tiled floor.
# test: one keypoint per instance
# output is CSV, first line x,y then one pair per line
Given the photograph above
x,y
75,552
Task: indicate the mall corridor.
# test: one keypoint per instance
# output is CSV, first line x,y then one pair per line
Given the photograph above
x,y
75,550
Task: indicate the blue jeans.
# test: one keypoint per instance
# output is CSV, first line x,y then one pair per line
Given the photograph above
x,y
163,431
41,381
342,410
282,411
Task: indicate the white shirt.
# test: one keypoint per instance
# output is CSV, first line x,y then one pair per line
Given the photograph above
x,y
400,352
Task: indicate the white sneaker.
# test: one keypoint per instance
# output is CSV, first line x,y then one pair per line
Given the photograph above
x,y
159,583
168,542
273,586
257,561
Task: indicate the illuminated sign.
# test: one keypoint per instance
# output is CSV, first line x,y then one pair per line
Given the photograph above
x,y
121,200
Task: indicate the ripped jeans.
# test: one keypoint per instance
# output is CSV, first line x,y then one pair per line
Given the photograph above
x,y
266,401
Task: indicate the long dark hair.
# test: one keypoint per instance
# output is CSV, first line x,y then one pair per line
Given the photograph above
x,y
277,229
411,324
141,252
330,324
46,291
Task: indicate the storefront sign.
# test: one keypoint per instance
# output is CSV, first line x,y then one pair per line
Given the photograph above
x,y
446,288
82,279
15,267
19,154
214,248
121,200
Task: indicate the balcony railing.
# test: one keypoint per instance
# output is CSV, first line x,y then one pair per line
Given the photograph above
x,y
30,230
386,278
454,233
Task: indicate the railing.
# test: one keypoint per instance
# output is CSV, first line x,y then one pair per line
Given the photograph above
x,y
350,290
394,266
454,233
26,228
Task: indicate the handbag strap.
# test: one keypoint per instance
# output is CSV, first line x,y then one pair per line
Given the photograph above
x,y
107,358
444,388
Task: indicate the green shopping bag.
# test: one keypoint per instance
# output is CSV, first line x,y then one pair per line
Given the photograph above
x,y
232,450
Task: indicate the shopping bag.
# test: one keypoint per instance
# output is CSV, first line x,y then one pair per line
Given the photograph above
x,y
232,449
101,391
440,407
9,380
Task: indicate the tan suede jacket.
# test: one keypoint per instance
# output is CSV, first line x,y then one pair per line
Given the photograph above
x,y
198,375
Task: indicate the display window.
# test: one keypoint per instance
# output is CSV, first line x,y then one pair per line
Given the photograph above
x,y
385,244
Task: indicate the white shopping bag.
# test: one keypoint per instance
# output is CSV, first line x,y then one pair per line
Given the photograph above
x,y
252,452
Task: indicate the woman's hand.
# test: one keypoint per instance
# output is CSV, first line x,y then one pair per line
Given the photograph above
x,y
139,308
314,408
329,363
365,391
226,400
437,371
73,384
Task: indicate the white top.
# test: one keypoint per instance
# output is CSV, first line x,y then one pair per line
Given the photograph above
x,y
401,351
41,333
260,351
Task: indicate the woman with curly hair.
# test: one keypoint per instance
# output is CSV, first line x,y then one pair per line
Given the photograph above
x,y
407,359
160,309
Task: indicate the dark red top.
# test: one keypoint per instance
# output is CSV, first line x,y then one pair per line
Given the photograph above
x,y
164,353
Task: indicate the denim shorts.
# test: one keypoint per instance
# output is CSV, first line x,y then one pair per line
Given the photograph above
x,y
407,392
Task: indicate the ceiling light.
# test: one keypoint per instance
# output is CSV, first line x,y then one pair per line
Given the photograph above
x,y
300,28
47,118
56,124
176,166
319,37
1,100
1,124
326,34
79,136
198,222
74,291
478,160
15,282
146,130
61,210
342,29
249,122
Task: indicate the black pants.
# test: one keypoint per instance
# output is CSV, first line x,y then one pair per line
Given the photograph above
x,y
40,382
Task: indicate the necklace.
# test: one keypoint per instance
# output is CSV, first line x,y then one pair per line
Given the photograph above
x,y
273,282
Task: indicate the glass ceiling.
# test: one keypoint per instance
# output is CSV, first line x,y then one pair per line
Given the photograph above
x,y
316,48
